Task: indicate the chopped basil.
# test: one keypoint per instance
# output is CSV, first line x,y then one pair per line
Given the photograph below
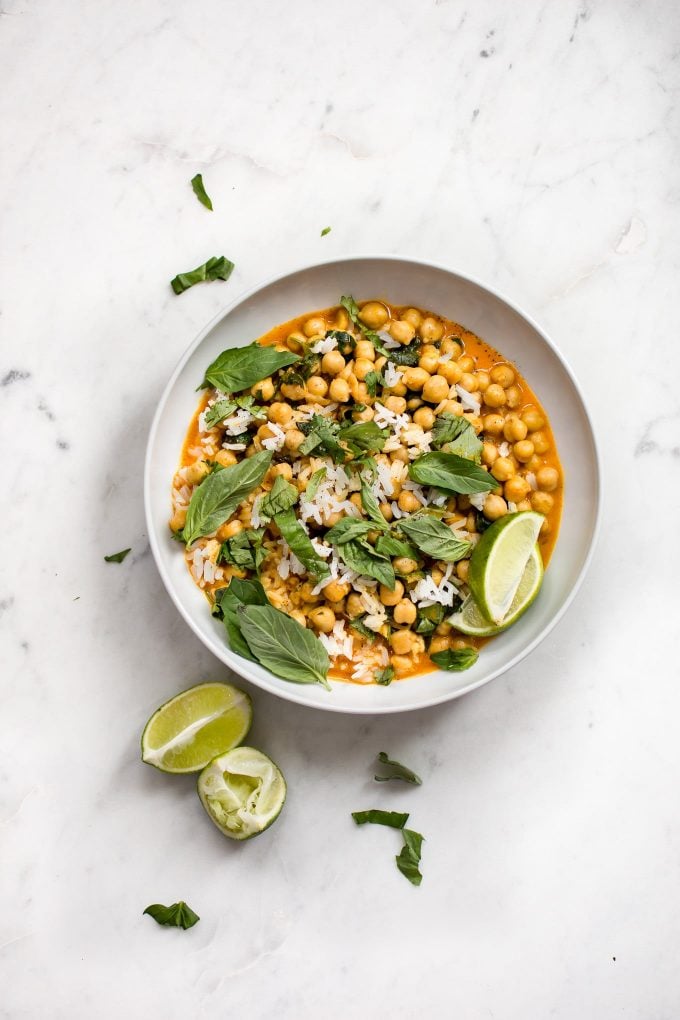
x,y
118,557
227,602
363,436
308,365
239,368
216,268
352,309
455,660
406,356
244,550
282,496
370,505
409,858
456,435
300,544
314,483
177,915
284,646
345,341
385,676
373,380
429,617
347,529
220,410
218,495
360,627
388,545
394,819
362,557
434,538
322,434
450,473
200,192
398,771
326,230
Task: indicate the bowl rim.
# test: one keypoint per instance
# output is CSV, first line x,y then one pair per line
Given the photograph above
x,y
294,692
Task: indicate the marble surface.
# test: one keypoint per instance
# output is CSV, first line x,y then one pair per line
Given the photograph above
x,y
534,145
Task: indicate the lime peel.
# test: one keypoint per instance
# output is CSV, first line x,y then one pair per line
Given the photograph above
x,y
470,620
498,561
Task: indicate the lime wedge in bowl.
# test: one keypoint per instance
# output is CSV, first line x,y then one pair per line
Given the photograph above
x,y
243,792
191,729
498,562
470,620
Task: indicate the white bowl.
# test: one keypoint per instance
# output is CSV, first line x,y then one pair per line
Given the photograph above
x,y
496,320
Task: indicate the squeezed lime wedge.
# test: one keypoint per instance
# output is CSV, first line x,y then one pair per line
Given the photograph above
x,y
243,792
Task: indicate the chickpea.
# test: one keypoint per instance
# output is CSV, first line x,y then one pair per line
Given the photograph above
x,y
469,382
466,363
437,575
317,386
178,519
368,414
405,612
355,498
415,378
424,417
514,428
516,488
299,616
523,450
374,315
523,505
451,407
196,472
315,325
547,478
323,618
401,454
264,389
293,391
513,396
444,629
542,502
503,375
364,349
355,606
396,404
295,341
403,641
493,424
463,569
534,464
489,454
335,591
305,593
503,469
439,644
401,663
386,511
399,390
436,389
408,502
362,366
359,391
332,363
228,530
402,331
404,565
471,524
451,371
494,395
453,346
339,391
226,458
391,598
293,439
412,316
265,432
341,320
330,520
483,381
546,528
458,645
280,413
431,329
429,362
283,469
533,419
540,441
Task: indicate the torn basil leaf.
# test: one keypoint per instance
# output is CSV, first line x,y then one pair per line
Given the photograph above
x,y
407,357
394,819
372,381
240,592
451,473
429,617
282,496
177,915
326,230
371,507
244,550
397,771
216,268
388,545
300,544
385,676
362,557
455,660
220,410
239,368
348,528
434,538
360,627
313,484
408,860
284,646
200,192
218,495
363,436
321,435
455,434
118,557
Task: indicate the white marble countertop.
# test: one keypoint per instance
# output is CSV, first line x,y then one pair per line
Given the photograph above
x,y
531,145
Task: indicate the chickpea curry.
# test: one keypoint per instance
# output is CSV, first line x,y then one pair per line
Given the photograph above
x,y
336,479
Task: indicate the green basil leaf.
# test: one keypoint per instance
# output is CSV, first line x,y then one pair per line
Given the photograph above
x,y
360,627
394,819
178,915
370,505
409,858
216,268
240,592
455,661
406,356
218,495
323,433
363,436
117,557
282,496
399,771
451,473
299,542
429,618
352,309
326,230
200,192
385,676
308,365
239,368
347,529
244,550
345,341
434,538
456,435
283,646
388,545
314,483
220,410
362,557
373,380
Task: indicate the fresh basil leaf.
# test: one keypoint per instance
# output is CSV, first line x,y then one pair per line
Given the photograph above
x,y
362,557
450,473
434,538
216,268
406,356
220,410
366,465
244,550
117,557
429,618
314,483
455,660
283,646
178,915
239,368
326,230
345,341
394,819
373,380
456,435
282,496
409,858
370,505
348,528
399,771
360,627
385,676
218,495
241,592
363,436
308,365
299,542
322,433
200,192
352,309
388,545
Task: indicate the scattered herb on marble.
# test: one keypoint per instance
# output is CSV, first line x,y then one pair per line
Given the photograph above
x,y
395,819
200,192
216,268
409,857
397,771
326,230
117,557
177,915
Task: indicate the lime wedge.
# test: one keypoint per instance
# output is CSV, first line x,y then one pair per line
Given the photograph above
x,y
190,730
243,792
498,561
469,619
